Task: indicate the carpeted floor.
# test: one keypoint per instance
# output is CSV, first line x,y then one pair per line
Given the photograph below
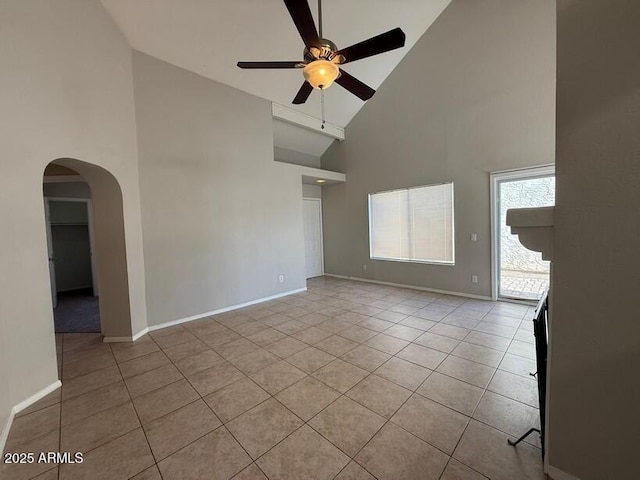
x,y
77,311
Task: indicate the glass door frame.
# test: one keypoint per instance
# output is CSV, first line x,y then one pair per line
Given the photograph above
x,y
495,179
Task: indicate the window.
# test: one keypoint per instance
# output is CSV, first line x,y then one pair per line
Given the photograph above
x,y
412,224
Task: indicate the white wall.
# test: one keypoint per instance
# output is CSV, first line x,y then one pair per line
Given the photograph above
x,y
221,219
595,384
66,91
476,94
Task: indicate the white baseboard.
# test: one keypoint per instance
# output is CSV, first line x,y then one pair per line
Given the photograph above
x,y
152,328
140,334
126,339
4,434
36,396
557,474
413,287
224,309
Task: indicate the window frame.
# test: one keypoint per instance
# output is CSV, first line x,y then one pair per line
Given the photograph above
x,y
445,263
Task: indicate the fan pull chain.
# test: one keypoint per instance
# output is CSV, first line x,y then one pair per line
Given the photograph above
x,y
321,89
322,108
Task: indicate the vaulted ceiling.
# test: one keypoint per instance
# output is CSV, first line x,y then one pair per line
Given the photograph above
x,y
208,37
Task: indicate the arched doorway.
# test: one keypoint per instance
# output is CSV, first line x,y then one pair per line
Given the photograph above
x,y
107,241
70,245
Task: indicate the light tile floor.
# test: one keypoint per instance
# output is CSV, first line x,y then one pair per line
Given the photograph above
x,y
348,381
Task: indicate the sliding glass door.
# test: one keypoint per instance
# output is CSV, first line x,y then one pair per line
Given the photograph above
x,y
519,273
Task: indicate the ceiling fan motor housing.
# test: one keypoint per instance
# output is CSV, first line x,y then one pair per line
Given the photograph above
x,y
327,51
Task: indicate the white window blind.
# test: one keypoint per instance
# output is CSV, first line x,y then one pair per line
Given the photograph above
x,y
413,224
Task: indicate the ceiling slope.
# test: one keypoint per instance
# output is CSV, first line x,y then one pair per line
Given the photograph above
x,y
208,37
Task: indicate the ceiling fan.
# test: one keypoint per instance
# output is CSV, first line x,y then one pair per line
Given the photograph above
x,y
322,59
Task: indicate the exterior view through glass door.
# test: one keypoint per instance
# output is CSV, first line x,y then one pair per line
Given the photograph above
x,y
519,273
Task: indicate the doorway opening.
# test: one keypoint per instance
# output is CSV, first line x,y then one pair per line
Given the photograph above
x,y
518,273
312,217
71,261
87,251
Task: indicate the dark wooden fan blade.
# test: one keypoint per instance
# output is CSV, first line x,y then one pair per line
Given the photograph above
x,y
379,44
355,86
269,64
303,93
301,15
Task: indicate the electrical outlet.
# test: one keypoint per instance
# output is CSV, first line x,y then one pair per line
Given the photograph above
x,y
474,279
364,267
281,279
474,237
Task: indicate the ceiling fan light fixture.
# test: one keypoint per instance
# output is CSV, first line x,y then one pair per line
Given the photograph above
x,y
321,73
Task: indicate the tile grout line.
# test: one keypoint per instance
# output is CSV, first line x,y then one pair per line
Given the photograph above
x,y
273,396
449,353
351,458
137,415
201,397
415,392
470,331
478,404
387,421
222,424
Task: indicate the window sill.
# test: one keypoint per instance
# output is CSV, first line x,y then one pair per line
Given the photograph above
x,y
424,262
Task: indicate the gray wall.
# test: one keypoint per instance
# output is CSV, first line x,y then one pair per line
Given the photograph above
x,y
67,189
221,219
475,94
311,191
62,212
595,385
66,92
72,252
298,158
6,400
71,244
